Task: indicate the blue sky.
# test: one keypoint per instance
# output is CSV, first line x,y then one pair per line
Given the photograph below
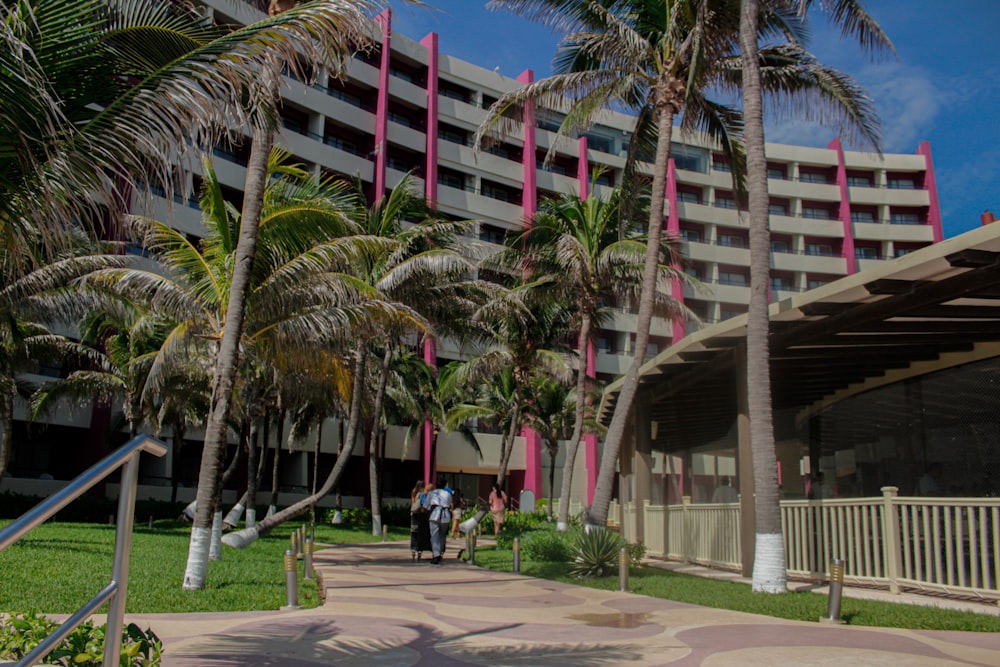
x,y
944,87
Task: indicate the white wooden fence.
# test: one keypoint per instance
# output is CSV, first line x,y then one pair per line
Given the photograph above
x,y
949,545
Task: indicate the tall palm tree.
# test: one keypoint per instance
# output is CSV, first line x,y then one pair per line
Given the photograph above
x,y
30,302
769,573
340,32
656,58
581,245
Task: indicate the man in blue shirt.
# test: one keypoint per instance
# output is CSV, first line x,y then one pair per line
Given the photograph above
x,y
438,503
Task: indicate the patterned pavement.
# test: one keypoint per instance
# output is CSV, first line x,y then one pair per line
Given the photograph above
x,y
384,610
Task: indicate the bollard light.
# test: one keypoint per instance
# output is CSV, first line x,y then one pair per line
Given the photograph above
x,y
293,542
291,580
623,570
308,556
471,540
836,589
517,555
301,540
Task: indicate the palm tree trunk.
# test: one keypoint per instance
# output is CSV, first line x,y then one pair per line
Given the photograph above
x,y
769,574
508,443
175,461
553,451
319,440
254,459
7,437
275,467
598,514
227,362
573,446
245,537
373,477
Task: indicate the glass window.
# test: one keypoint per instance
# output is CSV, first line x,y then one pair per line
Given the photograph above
x,y
776,173
905,219
724,202
899,252
690,197
902,184
813,177
817,282
777,209
721,165
819,249
862,216
864,252
691,235
815,213
779,245
732,278
781,284
732,241
859,181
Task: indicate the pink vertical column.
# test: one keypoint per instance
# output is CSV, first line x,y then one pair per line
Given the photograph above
x,y
674,232
930,182
382,106
845,208
529,205
430,193
430,357
590,458
430,42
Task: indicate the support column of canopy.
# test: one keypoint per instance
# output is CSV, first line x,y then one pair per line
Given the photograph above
x,y
642,468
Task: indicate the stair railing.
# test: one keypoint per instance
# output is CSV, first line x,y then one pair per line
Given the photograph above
x,y
114,593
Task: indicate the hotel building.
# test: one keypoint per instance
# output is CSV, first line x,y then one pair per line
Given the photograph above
x,y
406,105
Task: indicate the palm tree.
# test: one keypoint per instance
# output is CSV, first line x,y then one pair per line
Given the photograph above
x,y
552,414
415,277
769,574
580,244
654,57
340,33
102,93
30,302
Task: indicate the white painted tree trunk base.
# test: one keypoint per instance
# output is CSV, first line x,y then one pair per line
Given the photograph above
x,y
241,539
215,549
251,517
769,574
188,512
197,562
271,510
377,525
562,526
232,519
338,518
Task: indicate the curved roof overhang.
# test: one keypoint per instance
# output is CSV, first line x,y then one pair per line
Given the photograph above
x,y
939,303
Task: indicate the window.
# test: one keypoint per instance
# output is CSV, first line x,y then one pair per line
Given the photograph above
x,y
721,164
695,272
862,216
690,235
690,197
733,278
450,178
491,234
724,201
819,249
780,245
905,218
397,117
899,252
864,252
732,241
902,184
817,282
860,181
777,173
343,144
453,134
781,284
400,74
816,213
344,96
813,177
597,143
777,208
689,158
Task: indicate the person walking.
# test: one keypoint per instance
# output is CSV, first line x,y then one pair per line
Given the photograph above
x,y
420,531
438,503
498,507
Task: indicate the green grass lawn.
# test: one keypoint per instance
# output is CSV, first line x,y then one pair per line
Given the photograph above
x,y
58,567
802,606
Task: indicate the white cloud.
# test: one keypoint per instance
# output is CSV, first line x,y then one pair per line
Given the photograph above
x,y
908,103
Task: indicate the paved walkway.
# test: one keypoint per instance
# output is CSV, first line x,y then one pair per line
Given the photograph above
x,y
382,609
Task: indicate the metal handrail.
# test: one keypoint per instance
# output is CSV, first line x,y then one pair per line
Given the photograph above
x,y
115,591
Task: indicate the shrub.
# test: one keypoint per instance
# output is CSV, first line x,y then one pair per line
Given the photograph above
x,y
636,552
84,647
516,524
547,545
596,553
